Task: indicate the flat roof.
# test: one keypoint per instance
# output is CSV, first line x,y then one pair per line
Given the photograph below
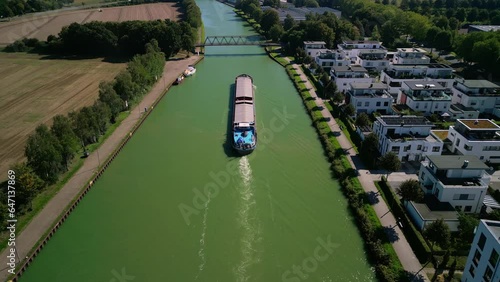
x,y
355,68
461,108
315,42
432,209
420,66
492,226
366,85
456,162
372,51
361,42
479,83
441,134
422,84
419,50
405,120
479,123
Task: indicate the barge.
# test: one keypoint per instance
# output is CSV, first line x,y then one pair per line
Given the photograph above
x,y
244,131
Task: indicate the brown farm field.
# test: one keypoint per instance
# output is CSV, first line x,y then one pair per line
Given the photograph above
x,y
43,25
34,90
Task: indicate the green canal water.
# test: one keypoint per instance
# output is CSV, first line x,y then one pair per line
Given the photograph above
x,y
177,205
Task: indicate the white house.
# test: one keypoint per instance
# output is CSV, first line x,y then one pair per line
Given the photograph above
x,y
344,75
369,97
372,59
395,75
479,137
450,184
331,58
423,96
313,48
351,49
459,111
483,260
409,137
410,56
481,95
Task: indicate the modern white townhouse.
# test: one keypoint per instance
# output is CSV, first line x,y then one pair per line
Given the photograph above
x,y
331,58
411,56
345,75
479,137
314,48
373,59
352,48
427,97
483,262
369,98
395,75
481,95
409,137
450,183
459,111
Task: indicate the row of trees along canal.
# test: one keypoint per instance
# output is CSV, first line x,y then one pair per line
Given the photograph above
x,y
50,151
392,25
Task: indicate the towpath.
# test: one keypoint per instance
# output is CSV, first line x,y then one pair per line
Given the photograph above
x,y
403,250
45,219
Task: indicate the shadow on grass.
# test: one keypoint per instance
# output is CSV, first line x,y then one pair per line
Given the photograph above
x,y
372,197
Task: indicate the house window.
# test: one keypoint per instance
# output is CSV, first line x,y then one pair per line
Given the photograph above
x,y
436,106
378,104
481,242
458,142
472,270
487,274
493,258
436,149
395,149
386,103
367,104
458,208
407,148
340,64
425,106
467,147
467,208
477,257
419,147
417,106
464,197
481,158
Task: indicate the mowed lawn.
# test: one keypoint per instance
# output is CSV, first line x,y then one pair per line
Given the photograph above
x,y
33,90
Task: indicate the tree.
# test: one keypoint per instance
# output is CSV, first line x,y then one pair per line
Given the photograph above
x,y
466,227
269,18
102,116
438,233
410,190
375,33
85,125
330,89
108,96
390,162
369,149
338,97
28,184
125,87
311,3
44,154
325,78
289,22
349,110
276,32
363,120
63,131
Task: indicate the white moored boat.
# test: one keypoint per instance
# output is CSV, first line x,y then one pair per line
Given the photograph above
x,y
189,71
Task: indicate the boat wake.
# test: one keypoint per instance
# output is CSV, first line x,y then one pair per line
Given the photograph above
x,y
201,251
250,232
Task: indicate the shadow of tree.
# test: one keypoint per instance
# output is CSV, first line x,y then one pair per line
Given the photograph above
x,y
372,197
390,233
317,108
310,99
414,277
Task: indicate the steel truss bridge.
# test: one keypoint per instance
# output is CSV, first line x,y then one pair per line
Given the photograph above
x,y
236,40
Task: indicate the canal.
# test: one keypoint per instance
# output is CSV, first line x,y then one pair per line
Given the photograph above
x,y
177,205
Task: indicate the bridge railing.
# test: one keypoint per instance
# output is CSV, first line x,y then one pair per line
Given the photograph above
x,y
235,40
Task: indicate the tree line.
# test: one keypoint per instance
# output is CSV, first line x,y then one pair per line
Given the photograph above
x,y
10,8
50,150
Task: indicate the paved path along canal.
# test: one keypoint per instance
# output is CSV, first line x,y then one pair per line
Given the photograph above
x,y
178,205
401,246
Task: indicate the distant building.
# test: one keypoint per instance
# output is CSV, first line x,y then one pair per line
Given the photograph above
x,y
409,137
351,49
369,98
479,137
481,95
372,59
299,14
486,28
331,58
459,111
483,262
427,97
345,75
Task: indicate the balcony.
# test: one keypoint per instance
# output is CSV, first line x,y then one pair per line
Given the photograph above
x,y
445,182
